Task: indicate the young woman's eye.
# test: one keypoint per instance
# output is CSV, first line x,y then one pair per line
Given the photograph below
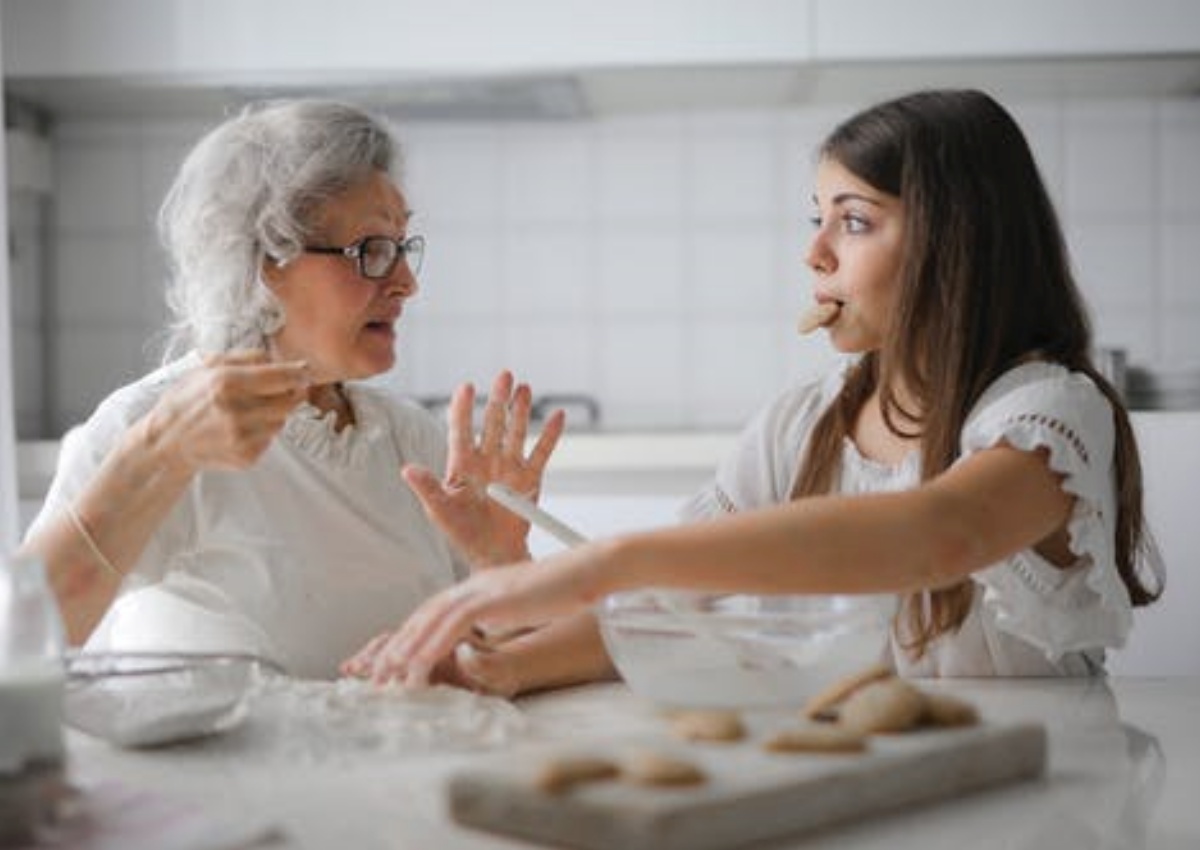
x,y
855,223
815,221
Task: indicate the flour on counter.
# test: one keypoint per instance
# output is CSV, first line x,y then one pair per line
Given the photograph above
x,y
316,721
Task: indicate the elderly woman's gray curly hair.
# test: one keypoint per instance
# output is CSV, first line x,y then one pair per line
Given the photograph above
x,y
251,190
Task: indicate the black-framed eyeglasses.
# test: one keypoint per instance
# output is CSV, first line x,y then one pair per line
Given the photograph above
x,y
377,256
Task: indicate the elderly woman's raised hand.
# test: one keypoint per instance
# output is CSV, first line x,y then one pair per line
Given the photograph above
x,y
224,413
485,532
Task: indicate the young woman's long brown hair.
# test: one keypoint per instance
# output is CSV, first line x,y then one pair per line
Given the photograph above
x,y
986,285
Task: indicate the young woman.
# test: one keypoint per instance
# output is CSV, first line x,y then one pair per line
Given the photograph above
x,y
971,460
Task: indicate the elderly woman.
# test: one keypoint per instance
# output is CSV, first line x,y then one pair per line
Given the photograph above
x,y
248,495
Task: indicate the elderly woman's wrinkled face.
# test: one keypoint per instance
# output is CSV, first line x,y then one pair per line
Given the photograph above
x,y
342,323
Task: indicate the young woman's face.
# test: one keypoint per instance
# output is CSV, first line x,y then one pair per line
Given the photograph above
x,y
856,254
342,323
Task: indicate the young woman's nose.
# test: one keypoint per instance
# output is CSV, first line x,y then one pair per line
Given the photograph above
x,y
819,257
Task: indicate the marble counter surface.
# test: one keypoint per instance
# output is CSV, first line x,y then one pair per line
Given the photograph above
x,y
1124,762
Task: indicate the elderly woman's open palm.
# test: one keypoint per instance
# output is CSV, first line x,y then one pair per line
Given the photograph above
x,y
485,532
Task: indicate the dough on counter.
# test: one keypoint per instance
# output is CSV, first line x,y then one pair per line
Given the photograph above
x,y
708,725
824,705
565,772
947,710
888,705
824,738
651,768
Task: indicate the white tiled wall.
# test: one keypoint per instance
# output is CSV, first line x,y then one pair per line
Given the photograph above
x,y
653,261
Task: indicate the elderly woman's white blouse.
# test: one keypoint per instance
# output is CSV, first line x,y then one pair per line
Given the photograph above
x,y
302,557
1028,617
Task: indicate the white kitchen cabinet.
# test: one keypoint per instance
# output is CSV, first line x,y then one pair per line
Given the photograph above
x,y
872,30
231,42
274,44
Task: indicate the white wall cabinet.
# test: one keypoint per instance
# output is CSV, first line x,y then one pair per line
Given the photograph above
x,y
870,30
231,42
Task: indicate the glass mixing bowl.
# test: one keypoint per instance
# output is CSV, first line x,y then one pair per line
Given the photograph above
x,y
146,699
684,648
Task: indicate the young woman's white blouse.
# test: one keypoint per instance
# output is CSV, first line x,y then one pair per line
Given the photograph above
x,y
302,557
1028,618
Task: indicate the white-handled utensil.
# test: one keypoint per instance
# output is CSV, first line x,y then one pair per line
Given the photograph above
x,y
527,510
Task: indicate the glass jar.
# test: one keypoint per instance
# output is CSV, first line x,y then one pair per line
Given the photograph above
x,y
31,699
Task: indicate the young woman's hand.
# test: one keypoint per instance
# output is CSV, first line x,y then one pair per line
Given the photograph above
x,y
493,601
485,532
224,413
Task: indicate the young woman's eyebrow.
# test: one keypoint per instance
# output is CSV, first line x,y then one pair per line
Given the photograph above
x,y
843,197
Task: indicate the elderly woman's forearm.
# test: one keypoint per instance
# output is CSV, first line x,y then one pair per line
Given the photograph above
x,y
98,536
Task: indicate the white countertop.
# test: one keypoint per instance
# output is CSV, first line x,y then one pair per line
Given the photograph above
x,y
1124,762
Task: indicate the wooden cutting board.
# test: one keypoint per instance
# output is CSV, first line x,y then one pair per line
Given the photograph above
x,y
750,794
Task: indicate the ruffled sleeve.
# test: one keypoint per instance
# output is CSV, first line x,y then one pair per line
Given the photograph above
x,y
1086,605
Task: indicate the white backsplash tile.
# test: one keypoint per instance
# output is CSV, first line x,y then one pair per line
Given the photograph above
x,y
462,274
642,372
1179,165
557,357
99,278
29,380
92,362
639,273
1180,342
1116,264
640,171
731,174
1110,158
732,369
549,173
654,261
98,185
732,273
1181,266
546,272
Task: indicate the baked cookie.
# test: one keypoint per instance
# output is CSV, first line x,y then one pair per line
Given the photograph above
x,y
947,710
708,725
824,705
888,705
651,768
565,772
824,738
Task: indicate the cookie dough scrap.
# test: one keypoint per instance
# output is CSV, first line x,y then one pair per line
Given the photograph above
x,y
824,705
818,316
658,769
946,710
707,725
565,772
823,738
889,705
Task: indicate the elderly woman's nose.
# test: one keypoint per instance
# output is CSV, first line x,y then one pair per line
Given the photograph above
x,y
402,281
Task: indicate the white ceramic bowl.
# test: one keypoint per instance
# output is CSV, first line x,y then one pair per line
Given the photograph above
x,y
682,648
145,699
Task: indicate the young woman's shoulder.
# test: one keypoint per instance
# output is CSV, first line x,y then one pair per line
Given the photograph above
x,y
1040,403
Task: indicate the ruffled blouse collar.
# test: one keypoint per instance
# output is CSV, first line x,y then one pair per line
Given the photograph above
x,y
314,431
